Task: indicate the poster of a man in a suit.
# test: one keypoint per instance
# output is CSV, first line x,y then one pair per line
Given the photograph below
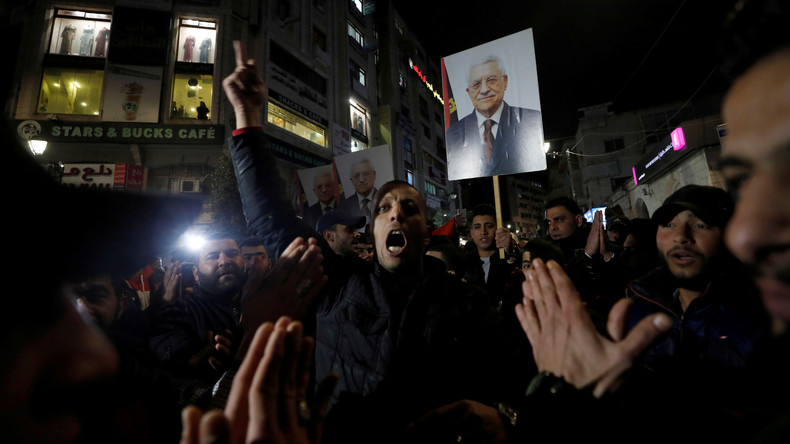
x,y
321,192
362,173
501,131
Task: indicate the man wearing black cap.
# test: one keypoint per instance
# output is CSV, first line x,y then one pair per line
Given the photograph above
x,y
700,285
340,231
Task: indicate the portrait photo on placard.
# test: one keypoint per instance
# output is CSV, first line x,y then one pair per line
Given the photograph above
x,y
321,192
361,174
492,104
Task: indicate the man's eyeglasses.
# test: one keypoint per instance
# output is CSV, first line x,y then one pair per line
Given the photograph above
x,y
491,82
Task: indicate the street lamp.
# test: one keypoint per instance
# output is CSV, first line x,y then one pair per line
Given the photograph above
x,y
37,146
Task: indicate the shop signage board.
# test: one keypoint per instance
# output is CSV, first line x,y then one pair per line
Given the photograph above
x,y
109,132
659,159
116,176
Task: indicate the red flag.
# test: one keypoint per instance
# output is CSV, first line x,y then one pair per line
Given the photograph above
x,y
447,229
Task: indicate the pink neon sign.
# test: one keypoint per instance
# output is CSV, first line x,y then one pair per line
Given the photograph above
x,y
678,139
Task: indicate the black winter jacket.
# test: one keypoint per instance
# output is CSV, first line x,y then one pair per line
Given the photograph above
x,y
397,356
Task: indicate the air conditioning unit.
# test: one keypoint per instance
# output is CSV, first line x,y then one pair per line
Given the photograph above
x,y
190,186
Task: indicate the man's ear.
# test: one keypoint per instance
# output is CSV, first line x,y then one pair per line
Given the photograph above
x,y
195,273
329,236
579,220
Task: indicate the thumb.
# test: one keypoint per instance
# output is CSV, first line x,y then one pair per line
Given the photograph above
x,y
615,325
645,332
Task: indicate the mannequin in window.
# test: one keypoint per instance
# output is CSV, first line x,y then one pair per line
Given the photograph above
x,y
205,48
101,42
202,111
68,38
189,45
86,42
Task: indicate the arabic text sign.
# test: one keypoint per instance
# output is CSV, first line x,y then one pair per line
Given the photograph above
x,y
118,176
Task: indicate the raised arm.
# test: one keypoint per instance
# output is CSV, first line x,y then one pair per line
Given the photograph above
x,y
266,207
245,89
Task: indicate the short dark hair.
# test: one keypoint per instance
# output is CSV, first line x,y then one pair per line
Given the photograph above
x,y
252,242
566,202
483,210
544,250
218,234
454,257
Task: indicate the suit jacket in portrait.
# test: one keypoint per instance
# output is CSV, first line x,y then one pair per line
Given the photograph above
x,y
351,204
311,214
518,145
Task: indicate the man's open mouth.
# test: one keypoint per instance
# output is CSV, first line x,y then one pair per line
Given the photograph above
x,y
396,241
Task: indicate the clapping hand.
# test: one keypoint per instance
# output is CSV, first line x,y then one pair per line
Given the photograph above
x,y
267,401
564,339
596,240
285,290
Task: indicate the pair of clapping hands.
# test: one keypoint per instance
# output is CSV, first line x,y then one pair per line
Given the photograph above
x,y
267,401
564,339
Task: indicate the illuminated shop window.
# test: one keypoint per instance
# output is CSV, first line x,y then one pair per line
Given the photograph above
x,y
296,124
358,145
192,96
197,41
359,119
70,91
80,33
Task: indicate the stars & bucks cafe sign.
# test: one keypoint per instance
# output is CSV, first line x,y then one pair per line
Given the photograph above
x,y
111,132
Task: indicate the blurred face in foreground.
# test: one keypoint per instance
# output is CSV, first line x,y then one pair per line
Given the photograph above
x,y
96,298
756,164
53,374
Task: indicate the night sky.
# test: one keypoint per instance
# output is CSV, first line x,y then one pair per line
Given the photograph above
x,y
633,53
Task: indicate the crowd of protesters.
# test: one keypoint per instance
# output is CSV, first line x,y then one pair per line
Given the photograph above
x,y
377,329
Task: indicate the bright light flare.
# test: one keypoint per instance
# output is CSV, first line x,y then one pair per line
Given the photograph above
x,y
193,241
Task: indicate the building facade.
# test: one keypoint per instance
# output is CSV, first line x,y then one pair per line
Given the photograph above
x,y
133,89
610,147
